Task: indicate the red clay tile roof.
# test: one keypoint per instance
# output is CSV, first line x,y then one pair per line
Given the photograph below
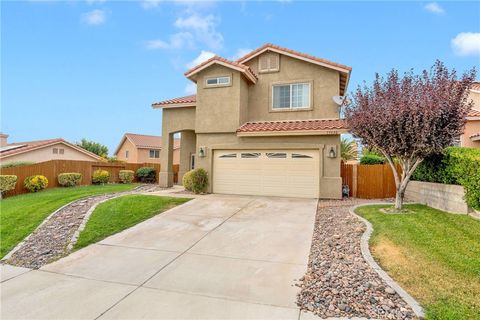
x,y
248,56
293,125
246,69
473,113
475,135
180,100
31,145
143,141
475,86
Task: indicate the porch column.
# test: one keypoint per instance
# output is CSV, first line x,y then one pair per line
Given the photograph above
x,y
187,148
166,161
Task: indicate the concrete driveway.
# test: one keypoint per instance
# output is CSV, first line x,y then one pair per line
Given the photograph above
x,y
215,257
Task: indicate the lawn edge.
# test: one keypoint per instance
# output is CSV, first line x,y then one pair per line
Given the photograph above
x,y
19,245
367,255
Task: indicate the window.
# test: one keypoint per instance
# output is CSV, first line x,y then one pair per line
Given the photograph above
x,y
126,154
250,155
61,151
291,96
300,156
154,153
230,155
276,155
55,151
218,81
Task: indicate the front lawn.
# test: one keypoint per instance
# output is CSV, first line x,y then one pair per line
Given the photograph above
x,y
121,213
432,254
20,215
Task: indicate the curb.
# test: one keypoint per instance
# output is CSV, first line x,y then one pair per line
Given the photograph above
x,y
417,309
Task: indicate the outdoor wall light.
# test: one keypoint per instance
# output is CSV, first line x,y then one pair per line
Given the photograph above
x,y
202,152
332,153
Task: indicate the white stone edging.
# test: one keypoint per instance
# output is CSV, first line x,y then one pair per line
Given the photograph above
x,y
417,309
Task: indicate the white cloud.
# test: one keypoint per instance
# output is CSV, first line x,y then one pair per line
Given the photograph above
x,y
204,28
203,56
95,17
191,88
240,53
466,44
149,4
434,7
177,41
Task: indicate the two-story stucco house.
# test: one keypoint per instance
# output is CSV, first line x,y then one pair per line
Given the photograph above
x,y
265,124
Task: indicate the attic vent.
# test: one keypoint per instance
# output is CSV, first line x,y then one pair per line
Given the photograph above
x,y
269,62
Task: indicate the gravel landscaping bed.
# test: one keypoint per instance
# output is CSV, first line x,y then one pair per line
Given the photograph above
x,y
339,282
50,240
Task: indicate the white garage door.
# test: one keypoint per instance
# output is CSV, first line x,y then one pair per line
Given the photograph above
x,y
292,173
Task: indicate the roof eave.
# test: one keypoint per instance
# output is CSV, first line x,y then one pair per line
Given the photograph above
x,y
291,133
173,105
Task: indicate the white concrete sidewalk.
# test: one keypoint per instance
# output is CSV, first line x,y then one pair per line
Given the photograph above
x,y
215,257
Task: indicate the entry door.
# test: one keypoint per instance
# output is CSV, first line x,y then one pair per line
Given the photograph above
x,y
286,173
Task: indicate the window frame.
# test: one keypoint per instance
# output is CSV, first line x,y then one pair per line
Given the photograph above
x,y
291,84
155,151
218,84
126,154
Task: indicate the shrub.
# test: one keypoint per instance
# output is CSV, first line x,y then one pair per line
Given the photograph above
x,y
146,174
15,164
7,183
187,180
126,176
100,176
35,183
69,179
196,180
454,166
372,159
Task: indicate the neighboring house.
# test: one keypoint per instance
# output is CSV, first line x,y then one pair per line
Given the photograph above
x,y
265,124
140,148
42,150
471,135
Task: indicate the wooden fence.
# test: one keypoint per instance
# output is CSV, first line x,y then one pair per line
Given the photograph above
x,y
369,181
51,169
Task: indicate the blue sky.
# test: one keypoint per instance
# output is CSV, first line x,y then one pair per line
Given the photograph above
x,y
92,69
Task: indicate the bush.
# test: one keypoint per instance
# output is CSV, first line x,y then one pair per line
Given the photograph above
x,y
15,164
100,176
454,166
146,174
196,180
35,183
7,183
372,159
70,179
126,176
187,180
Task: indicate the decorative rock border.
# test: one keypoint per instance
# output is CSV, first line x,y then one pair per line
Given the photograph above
x,y
417,309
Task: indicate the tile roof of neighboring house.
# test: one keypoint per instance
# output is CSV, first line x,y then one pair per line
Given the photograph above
x,y
180,100
475,135
475,86
32,145
233,64
293,125
143,141
473,113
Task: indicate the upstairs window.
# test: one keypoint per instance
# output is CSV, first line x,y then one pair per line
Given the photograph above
x,y
291,96
154,153
126,154
217,81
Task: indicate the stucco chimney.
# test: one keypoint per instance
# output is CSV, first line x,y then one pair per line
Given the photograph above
x,y
3,139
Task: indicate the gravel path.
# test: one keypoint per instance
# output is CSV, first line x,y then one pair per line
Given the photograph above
x,y
339,282
50,241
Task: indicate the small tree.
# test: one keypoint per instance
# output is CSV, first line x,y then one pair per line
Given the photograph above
x,y
94,147
411,117
348,149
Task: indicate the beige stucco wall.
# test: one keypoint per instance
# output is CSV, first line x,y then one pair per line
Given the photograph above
x,y
330,180
46,154
471,127
132,152
324,84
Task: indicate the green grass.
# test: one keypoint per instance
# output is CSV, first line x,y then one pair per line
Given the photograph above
x,y
434,255
20,215
121,213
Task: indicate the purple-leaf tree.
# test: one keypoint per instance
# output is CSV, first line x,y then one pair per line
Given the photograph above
x,y
411,117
